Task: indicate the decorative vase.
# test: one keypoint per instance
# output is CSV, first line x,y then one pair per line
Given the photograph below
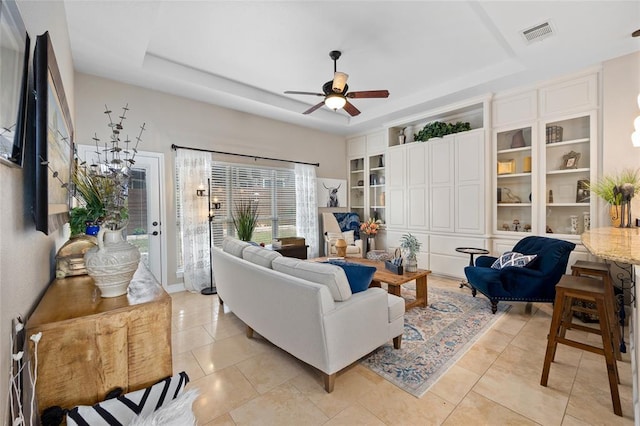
x,y
92,230
371,244
408,134
586,220
113,263
411,265
614,214
517,141
574,224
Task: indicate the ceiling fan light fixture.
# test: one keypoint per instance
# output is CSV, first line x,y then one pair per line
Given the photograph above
x,y
335,101
339,81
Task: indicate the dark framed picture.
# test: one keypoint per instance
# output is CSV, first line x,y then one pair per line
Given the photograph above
x,y
53,141
570,160
583,195
14,81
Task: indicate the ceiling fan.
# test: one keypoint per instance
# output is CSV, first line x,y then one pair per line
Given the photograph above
x,y
336,91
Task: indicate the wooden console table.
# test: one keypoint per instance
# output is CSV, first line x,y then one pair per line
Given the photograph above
x,y
91,345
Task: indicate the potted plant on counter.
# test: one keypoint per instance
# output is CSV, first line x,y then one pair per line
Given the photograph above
x,y
410,247
604,188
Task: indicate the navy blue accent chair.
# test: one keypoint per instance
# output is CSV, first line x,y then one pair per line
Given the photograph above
x,y
535,282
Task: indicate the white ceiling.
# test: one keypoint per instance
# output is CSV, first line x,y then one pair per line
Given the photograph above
x,y
244,55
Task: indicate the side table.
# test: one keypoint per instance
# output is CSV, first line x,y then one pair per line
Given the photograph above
x,y
471,251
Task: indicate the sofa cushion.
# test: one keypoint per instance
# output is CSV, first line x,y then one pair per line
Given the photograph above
x,y
260,255
234,246
512,258
331,276
359,276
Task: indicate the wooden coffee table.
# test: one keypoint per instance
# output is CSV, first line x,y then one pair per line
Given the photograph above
x,y
394,281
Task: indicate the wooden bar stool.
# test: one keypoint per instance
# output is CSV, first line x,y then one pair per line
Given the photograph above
x,y
602,270
587,289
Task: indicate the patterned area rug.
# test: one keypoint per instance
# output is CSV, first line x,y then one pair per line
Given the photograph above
x,y
434,339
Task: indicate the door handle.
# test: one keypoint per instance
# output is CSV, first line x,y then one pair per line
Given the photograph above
x,y
155,223
154,233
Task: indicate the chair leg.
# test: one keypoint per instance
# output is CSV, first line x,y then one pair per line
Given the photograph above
x,y
494,306
612,367
397,342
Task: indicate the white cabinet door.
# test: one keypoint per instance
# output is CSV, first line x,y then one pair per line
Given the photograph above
x,y
469,179
395,186
416,159
441,178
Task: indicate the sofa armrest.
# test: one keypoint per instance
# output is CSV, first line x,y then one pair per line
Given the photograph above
x,y
356,326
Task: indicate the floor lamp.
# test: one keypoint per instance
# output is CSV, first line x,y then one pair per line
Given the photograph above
x,y
211,207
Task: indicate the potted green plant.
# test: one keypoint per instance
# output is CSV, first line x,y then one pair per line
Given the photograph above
x,y
245,218
92,208
410,247
603,188
438,129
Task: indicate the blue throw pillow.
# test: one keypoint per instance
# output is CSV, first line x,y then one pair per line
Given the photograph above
x,y
359,276
512,258
349,221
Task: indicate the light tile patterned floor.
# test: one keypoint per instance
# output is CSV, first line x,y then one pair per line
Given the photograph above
x,y
251,382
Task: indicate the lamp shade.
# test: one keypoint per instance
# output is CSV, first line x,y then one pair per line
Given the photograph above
x,y
335,101
339,81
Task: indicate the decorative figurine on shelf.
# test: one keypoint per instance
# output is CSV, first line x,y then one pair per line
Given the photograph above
x,y
586,220
517,141
527,227
505,226
551,196
574,224
516,225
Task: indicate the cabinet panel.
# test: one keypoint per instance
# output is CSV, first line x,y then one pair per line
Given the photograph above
x,y
522,107
416,164
356,146
396,211
469,218
417,213
441,208
561,98
375,142
469,158
396,167
451,266
441,162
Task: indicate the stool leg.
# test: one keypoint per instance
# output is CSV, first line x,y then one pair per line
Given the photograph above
x,y
610,298
612,367
556,319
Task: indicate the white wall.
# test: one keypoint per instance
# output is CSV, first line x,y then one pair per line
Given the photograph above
x,y
26,255
174,120
621,86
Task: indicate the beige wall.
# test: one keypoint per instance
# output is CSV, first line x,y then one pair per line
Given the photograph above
x,y
174,120
621,86
26,255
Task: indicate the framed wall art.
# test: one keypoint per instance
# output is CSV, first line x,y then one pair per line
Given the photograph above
x,y
14,81
53,141
332,192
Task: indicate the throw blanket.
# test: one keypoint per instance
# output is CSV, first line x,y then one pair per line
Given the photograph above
x,y
349,221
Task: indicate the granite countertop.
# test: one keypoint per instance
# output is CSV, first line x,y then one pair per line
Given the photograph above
x,y
617,244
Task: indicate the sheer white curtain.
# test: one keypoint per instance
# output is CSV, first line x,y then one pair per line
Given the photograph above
x,y
307,206
193,168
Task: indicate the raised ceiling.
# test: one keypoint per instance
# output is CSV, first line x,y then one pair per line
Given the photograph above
x,y
244,55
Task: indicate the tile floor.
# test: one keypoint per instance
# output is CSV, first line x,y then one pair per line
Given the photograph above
x,y
251,382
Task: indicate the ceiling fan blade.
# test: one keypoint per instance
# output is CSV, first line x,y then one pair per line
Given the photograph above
x,y
292,92
353,111
313,108
368,94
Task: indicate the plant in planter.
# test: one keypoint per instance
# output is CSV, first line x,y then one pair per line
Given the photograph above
x,y
438,129
604,188
410,247
245,218
91,209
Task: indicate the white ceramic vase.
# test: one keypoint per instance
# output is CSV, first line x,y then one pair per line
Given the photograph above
x,y
411,264
113,263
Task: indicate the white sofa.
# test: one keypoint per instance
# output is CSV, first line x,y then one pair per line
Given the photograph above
x,y
306,308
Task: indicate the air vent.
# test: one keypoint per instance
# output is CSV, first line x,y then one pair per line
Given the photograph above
x,y
538,32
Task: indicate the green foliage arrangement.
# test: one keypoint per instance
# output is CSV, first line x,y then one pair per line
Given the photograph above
x,y
245,218
438,129
410,244
603,187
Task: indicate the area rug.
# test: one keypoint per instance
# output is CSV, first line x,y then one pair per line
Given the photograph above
x,y
434,338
